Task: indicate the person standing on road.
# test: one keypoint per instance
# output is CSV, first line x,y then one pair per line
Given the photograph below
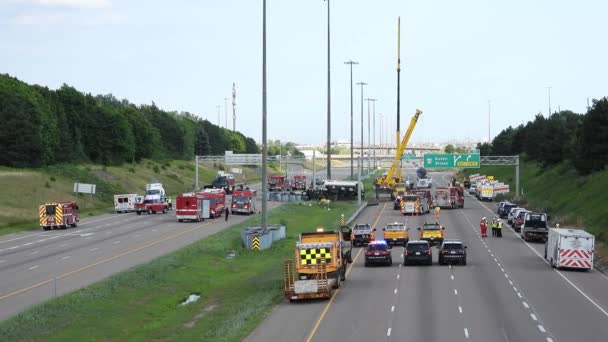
x,y
483,225
227,213
437,212
499,228
493,226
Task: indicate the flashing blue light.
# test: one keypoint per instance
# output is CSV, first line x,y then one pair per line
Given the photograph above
x,y
378,242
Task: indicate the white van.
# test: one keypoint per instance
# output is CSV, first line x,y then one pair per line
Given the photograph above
x,y
124,203
570,248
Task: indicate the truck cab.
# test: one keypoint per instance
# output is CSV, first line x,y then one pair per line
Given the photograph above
x,y
58,215
396,233
432,232
299,183
443,199
534,227
276,183
243,201
361,234
412,205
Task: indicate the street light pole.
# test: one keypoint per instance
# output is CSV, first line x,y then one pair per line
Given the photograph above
x,y
351,63
328,97
264,107
549,88
361,159
374,130
489,116
218,116
226,112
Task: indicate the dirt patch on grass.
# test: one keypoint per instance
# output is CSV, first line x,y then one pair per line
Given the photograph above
x,y
105,176
206,310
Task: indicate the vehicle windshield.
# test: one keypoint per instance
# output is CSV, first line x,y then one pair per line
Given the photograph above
x,y
417,247
377,247
240,199
361,227
272,181
394,227
452,246
431,227
153,192
410,198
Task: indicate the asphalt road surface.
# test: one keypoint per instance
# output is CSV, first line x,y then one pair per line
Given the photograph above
x,y
506,292
38,265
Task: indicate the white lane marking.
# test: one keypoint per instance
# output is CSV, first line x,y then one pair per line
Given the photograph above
x,y
36,252
452,276
1,261
502,269
506,275
115,242
33,267
459,308
534,318
466,332
541,328
65,244
519,295
556,270
87,234
395,290
65,257
400,265
107,225
492,255
27,244
388,332
393,308
514,288
510,282
525,305
549,339
455,292
93,249
398,275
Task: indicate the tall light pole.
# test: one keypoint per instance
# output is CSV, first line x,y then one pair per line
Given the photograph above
x,y
549,88
226,112
328,98
264,107
351,63
369,143
361,159
381,141
489,116
374,130
233,107
218,116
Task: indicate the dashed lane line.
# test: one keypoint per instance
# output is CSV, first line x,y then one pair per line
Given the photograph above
x,y
466,332
542,329
533,316
169,237
64,258
388,332
33,267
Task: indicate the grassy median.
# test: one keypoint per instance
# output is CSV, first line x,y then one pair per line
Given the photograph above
x,y
142,304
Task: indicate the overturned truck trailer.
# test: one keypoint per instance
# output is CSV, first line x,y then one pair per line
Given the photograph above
x,y
343,190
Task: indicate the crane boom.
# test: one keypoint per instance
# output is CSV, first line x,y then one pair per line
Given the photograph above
x,y
387,181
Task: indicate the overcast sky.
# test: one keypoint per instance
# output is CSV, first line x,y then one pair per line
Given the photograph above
x,y
185,54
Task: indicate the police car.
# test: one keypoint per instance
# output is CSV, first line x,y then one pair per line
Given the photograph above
x,y
378,252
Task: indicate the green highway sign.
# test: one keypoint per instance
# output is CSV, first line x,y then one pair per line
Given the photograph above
x,y
408,156
453,160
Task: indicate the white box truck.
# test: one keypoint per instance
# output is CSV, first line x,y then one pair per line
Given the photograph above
x,y
125,203
570,248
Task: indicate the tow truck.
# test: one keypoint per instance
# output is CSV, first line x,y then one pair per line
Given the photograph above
x,y
396,233
361,234
320,262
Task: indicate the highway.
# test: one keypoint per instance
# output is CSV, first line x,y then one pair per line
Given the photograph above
x,y
38,265
506,292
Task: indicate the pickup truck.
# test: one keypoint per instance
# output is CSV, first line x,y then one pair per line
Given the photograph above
x,y
361,234
535,227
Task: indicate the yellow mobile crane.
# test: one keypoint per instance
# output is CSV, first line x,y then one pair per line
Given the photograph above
x,y
386,184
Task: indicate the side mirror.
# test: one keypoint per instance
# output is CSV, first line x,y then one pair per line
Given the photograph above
x,y
548,218
418,228
465,247
373,230
442,228
383,229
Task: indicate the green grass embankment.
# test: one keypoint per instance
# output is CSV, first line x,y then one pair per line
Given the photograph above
x,y
23,190
568,198
142,304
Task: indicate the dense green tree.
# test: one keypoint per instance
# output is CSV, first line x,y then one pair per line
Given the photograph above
x,y
593,137
203,147
449,148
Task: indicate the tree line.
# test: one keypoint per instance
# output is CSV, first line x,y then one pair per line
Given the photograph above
x,y
564,136
44,127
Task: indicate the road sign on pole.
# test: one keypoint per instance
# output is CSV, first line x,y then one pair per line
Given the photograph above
x,y
451,160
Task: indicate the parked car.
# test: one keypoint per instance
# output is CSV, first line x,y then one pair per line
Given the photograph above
x,y
473,189
511,214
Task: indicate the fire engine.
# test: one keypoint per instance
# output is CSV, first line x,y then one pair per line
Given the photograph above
x,y
189,206
243,201
276,183
217,201
299,183
58,215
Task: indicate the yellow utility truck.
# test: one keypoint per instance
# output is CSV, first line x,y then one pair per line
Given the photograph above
x,y
321,258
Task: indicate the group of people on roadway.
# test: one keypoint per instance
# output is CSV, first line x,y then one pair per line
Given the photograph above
x,y
496,226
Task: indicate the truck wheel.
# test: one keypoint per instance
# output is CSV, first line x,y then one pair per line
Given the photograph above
x,y
165,211
74,225
149,211
139,213
552,263
343,274
46,228
338,282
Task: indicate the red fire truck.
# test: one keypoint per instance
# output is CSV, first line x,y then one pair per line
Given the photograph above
x,y
189,206
423,193
299,183
217,201
276,183
457,197
58,215
243,201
